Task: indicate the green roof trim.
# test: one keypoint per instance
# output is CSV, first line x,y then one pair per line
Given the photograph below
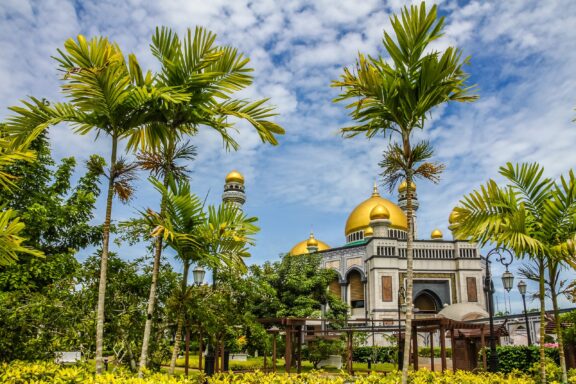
x,y
354,243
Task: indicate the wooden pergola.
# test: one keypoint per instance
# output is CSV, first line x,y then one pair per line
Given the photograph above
x,y
293,328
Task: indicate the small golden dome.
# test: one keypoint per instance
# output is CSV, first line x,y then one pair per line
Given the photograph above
x,y
379,212
368,232
359,218
235,176
453,217
302,247
404,185
436,234
312,242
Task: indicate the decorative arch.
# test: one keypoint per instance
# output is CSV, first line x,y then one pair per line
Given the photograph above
x,y
356,279
427,301
357,269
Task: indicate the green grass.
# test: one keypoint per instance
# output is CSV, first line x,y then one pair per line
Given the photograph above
x,y
254,363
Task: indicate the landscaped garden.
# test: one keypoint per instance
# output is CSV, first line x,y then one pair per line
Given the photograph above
x,y
154,317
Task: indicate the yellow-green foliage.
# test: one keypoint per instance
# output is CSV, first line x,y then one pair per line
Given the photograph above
x,y
47,372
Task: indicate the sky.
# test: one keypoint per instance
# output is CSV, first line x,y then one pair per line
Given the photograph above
x,y
523,55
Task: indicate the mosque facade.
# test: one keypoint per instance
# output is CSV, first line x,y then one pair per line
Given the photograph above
x,y
371,264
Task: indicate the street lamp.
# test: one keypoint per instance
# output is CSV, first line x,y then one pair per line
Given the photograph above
x,y
504,257
401,309
522,288
198,273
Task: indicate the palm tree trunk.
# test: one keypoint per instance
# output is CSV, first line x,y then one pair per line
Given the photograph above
x,y
409,280
104,262
552,272
542,321
177,341
178,338
152,296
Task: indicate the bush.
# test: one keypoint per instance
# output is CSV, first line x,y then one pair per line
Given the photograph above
x,y
382,354
319,349
521,357
425,352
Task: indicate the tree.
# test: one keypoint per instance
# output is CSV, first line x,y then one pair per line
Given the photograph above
x,y
211,74
111,96
215,239
58,216
532,216
396,98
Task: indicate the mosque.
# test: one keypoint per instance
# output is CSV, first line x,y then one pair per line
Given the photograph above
x,y
371,264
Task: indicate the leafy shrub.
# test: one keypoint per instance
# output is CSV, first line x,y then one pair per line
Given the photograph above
x,y
425,352
521,357
381,354
319,349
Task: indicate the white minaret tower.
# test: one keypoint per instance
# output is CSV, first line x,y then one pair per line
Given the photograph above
x,y
403,204
234,189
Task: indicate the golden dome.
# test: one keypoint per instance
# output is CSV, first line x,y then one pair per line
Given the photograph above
x,y
404,185
368,232
312,242
436,234
453,217
302,247
379,212
359,219
235,176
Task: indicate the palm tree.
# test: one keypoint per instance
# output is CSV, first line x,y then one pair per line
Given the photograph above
x,y
396,98
213,240
106,94
531,215
164,162
211,74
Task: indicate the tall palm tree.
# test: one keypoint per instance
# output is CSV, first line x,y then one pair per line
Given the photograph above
x,y
395,98
163,161
213,240
531,215
107,94
211,74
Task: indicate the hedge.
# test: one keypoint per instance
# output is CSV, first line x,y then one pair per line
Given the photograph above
x,y
382,354
521,357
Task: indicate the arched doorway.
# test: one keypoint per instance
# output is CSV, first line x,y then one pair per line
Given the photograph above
x,y
427,302
356,289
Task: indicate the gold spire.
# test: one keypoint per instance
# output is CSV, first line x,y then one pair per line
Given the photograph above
x,y
375,192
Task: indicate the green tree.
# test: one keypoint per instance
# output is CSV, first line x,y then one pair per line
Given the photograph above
x,y
112,96
531,215
395,98
211,74
36,323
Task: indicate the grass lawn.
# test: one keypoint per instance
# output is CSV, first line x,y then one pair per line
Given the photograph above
x,y
254,363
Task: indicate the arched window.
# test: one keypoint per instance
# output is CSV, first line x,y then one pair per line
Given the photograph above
x,y
356,289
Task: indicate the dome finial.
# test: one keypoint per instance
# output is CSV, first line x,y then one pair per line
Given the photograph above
x,y
375,192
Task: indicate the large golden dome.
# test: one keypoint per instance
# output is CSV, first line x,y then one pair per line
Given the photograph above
x,y
359,219
302,247
235,176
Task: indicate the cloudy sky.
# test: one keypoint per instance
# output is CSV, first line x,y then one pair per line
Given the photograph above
x,y
523,59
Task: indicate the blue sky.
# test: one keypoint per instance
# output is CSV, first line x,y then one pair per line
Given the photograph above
x,y
523,57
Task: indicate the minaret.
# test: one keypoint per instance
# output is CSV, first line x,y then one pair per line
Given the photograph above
x,y
234,189
403,203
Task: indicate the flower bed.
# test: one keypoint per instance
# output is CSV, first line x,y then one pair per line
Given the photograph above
x,y
47,372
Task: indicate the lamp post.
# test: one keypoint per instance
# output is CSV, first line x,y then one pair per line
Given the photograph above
x,y
504,257
198,273
274,331
522,288
401,309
